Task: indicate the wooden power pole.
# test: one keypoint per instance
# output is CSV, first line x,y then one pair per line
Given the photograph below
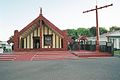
x,y
97,27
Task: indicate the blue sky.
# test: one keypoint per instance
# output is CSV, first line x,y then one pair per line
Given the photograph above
x,y
16,14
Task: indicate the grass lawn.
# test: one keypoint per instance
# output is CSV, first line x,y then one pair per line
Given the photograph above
x,y
117,52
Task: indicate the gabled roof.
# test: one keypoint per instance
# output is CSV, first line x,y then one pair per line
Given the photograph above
x,y
52,26
29,25
47,22
105,35
114,33
82,38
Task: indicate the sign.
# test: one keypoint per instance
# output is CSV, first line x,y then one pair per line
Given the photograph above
x,y
102,42
109,44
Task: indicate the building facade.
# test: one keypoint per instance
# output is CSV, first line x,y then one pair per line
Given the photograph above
x,y
40,35
114,37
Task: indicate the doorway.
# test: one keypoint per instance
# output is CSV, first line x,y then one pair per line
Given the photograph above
x,y
36,42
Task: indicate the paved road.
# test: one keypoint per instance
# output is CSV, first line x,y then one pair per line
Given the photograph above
x,y
83,69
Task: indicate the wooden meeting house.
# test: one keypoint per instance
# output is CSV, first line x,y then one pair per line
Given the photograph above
x,y
40,35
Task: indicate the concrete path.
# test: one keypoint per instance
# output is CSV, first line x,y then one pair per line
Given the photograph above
x,y
82,69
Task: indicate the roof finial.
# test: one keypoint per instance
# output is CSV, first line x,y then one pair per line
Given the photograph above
x,y
40,11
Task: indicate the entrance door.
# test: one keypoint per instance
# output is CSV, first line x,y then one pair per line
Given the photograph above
x,y
36,42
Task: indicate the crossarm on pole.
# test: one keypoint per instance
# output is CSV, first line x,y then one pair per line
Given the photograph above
x,y
105,6
98,8
88,10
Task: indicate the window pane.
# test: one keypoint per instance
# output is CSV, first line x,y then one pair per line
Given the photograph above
x,y
47,40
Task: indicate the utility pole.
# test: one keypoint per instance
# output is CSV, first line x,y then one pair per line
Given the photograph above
x,y
97,27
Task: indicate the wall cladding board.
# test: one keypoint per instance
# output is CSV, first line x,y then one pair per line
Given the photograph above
x,y
28,42
31,40
35,32
54,40
24,42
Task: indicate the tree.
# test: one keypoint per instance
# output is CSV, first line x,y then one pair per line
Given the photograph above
x,y
93,31
10,40
102,30
89,32
83,32
114,28
73,33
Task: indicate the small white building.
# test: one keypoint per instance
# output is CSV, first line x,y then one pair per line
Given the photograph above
x,y
1,49
113,37
4,46
102,38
